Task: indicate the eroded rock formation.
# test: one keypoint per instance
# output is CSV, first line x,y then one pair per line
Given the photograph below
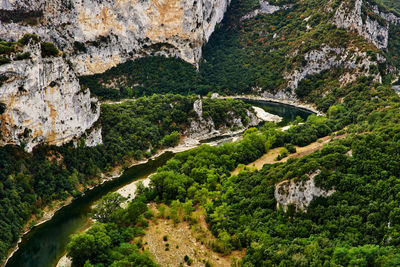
x,y
98,35
354,16
300,194
40,98
43,102
204,128
326,57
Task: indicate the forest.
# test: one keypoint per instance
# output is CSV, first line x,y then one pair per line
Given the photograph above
x,y
131,131
358,225
108,241
245,56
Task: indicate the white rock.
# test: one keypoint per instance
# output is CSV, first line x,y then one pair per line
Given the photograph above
x,y
327,57
265,116
114,31
44,102
49,106
265,8
350,17
299,194
204,128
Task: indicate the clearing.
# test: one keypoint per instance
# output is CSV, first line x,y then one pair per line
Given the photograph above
x,y
270,156
170,242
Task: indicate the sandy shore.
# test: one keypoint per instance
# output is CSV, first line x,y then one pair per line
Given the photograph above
x,y
296,104
187,144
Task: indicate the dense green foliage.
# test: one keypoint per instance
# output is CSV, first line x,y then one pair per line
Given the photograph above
x,y
144,76
49,49
14,50
30,181
392,5
357,225
108,243
243,55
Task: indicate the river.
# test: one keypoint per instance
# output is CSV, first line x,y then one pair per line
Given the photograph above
x,y
46,243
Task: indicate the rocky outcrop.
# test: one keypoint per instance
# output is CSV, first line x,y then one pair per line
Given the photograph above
x,y
41,99
265,8
300,194
204,128
353,15
265,116
43,102
327,57
97,35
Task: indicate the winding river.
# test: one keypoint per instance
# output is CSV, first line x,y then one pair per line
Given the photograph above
x,y
46,243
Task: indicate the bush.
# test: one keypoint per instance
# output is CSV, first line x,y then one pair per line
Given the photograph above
x,y
290,148
171,140
23,56
6,48
4,60
49,50
27,37
282,154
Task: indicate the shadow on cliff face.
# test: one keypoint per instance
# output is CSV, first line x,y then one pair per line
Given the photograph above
x,y
2,108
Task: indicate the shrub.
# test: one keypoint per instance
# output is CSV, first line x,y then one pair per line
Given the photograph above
x,y
49,50
4,60
290,148
171,140
27,37
6,48
23,56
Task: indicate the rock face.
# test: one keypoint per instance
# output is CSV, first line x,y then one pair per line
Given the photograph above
x,y
43,102
352,15
98,35
265,8
327,57
299,194
265,116
204,128
40,98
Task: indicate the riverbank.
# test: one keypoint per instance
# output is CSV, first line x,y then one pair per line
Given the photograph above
x,y
128,191
218,136
185,144
292,103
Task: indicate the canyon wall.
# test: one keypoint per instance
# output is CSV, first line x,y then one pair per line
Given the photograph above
x,y
41,100
98,35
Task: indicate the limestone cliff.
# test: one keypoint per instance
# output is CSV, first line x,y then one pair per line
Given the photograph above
x,y
354,16
40,98
204,128
42,102
300,194
358,63
98,35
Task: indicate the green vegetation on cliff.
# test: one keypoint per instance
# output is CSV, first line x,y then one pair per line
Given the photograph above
x,y
357,225
132,130
248,56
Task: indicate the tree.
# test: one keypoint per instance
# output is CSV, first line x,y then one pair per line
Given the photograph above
x,y
107,206
92,245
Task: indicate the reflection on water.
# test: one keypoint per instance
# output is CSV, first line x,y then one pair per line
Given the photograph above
x,y
287,112
45,244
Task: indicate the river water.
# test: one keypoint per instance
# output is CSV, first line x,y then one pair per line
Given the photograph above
x,y
46,243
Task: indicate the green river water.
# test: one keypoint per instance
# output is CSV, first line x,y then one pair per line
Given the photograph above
x,y
45,244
